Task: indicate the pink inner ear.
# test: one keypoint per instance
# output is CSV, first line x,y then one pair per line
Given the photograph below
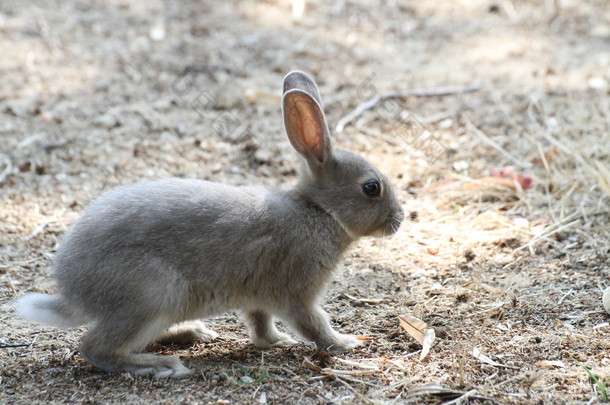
x,y
306,123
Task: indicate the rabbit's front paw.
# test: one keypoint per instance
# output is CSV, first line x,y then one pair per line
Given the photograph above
x,y
344,343
188,332
202,331
277,340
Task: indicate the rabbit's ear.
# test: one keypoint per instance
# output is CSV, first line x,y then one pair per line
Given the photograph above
x,y
302,81
306,126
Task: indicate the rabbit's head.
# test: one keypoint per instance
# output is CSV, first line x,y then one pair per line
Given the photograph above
x,y
342,183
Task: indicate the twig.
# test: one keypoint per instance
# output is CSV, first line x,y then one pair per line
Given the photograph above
x,y
434,92
443,393
562,227
361,301
462,398
570,291
7,346
356,364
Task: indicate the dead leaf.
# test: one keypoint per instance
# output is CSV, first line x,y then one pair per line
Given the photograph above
x,y
419,330
524,180
414,327
484,183
433,251
429,336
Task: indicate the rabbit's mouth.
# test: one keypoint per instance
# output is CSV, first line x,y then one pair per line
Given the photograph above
x,y
390,226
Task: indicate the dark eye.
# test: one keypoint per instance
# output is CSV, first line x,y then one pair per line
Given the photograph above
x,y
371,188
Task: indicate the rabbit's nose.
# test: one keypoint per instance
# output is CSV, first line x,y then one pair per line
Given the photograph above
x,y
396,219
399,216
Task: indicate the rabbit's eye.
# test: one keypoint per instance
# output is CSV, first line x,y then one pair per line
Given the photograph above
x,y
371,188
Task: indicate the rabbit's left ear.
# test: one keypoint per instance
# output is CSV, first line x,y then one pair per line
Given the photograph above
x,y
306,126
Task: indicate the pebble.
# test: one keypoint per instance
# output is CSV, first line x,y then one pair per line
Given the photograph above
x,y
247,379
107,121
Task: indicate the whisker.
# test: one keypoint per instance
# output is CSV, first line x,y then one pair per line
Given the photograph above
x,y
381,241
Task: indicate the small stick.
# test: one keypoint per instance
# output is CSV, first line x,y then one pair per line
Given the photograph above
x,y
434,92
11,346
356,364
361,301
531,243
565,296
463,398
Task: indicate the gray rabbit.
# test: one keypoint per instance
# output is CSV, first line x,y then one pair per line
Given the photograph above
x,y
146,261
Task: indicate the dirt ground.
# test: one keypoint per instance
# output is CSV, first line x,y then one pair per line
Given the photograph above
x,y
94,94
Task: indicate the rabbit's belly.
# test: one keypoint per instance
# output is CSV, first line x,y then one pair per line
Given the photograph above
x,y
216,303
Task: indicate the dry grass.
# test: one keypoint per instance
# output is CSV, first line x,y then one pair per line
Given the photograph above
x,y
91,100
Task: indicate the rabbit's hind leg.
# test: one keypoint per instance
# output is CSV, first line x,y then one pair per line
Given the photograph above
x,y
263,332
112,346
187,332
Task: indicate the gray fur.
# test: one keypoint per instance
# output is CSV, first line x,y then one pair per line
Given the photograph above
x,y
146,261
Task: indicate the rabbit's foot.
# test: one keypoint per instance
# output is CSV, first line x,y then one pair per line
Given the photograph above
x,y
344,343
188,332
278,339
263,332
156,366
141,364
313,324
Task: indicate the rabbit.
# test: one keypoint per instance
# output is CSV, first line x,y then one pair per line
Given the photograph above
x,y
147,261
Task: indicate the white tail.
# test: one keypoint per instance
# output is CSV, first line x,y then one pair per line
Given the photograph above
x,y
46,309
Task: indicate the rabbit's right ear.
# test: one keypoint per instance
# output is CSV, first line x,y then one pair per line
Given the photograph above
x,y
302,81
306,126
